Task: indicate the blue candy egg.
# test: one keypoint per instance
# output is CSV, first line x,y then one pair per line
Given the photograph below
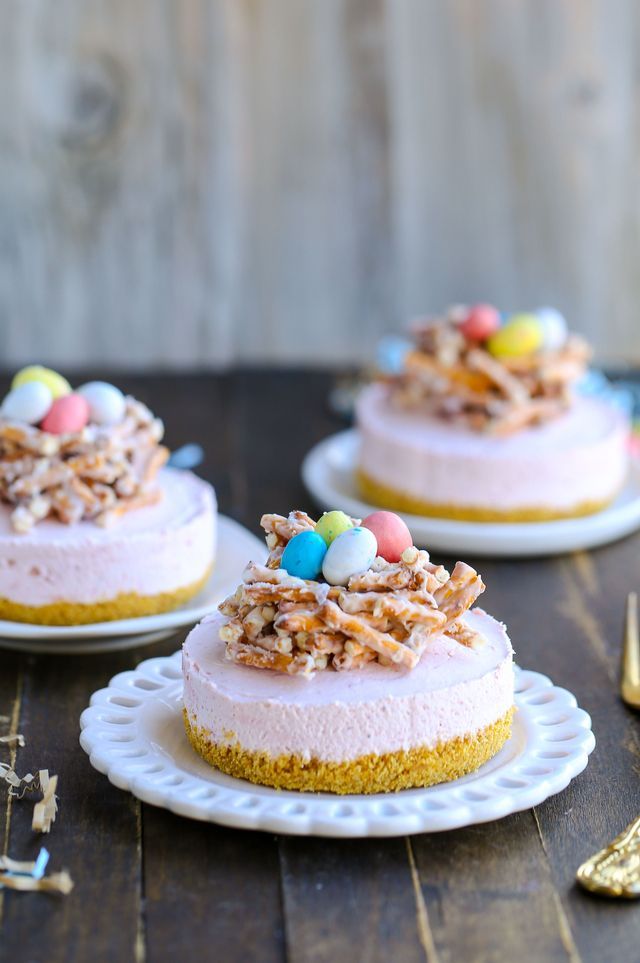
x,y
304,555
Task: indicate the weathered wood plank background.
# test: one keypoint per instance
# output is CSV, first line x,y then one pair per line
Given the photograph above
x,y
217,180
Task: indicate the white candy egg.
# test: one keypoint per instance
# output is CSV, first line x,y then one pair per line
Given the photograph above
x,y
554,328
29,403
350,553
106,402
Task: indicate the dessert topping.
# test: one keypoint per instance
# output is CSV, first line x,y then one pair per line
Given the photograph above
x,y
349,554
74,466
392,534
386,614
57,385
332,524
520,336
106,402
521,374
28,402
304,554
480,322
555,330
67,414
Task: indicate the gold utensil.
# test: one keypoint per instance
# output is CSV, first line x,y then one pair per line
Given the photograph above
x,y
630,682
615,870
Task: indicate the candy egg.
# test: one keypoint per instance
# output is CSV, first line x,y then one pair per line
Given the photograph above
x,y
57,385
521,335
350,553
303,555
554,328
106,402
333,524
392,535
29,403
481,322
67,414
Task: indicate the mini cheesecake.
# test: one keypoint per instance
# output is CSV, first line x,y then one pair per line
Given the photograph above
x,y
369,730
92,527
151,560
485,422
362,669
415,462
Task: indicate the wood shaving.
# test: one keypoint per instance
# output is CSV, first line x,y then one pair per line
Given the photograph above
x,y
18,785
388,614
29,876
45,810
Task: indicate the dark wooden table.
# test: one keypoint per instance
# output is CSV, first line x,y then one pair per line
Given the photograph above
x,y
153,886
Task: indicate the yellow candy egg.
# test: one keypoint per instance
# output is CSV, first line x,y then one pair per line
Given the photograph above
x,y
521,335
57,385
332,524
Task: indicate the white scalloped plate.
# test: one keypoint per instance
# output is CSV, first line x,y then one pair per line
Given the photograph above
x,y
328,473
133,732
236,545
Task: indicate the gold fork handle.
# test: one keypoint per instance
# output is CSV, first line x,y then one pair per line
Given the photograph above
x,y
615,870
630,684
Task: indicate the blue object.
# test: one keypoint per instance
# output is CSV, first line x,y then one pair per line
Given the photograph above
x,y
624,395
304,555
40,864
187,457
391,352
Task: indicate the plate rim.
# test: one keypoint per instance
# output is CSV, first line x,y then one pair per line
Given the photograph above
x,y
141,625
489,539
112,734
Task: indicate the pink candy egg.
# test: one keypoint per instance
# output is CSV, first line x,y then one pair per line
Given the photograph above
x,y
391,533
481,322
67,414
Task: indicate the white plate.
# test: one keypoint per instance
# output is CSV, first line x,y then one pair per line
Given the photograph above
x,y
134,733
236,546
328,473
115,643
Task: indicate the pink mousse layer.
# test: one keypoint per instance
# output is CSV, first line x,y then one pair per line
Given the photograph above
x,y
582,456
339,716
151,550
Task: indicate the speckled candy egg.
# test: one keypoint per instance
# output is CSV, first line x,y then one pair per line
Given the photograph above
x,y
57,385
303,555
555,329
333,524
106,402
349,554
520,336
392,535
66,415
481,322
28,403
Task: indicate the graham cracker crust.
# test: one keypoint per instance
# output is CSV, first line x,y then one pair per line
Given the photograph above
x,y
125,606
372,773
385,497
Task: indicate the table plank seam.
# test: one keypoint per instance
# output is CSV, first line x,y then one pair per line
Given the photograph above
x,y
14,723
425,934
574,609
586,571
140,947
564,926
282,889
